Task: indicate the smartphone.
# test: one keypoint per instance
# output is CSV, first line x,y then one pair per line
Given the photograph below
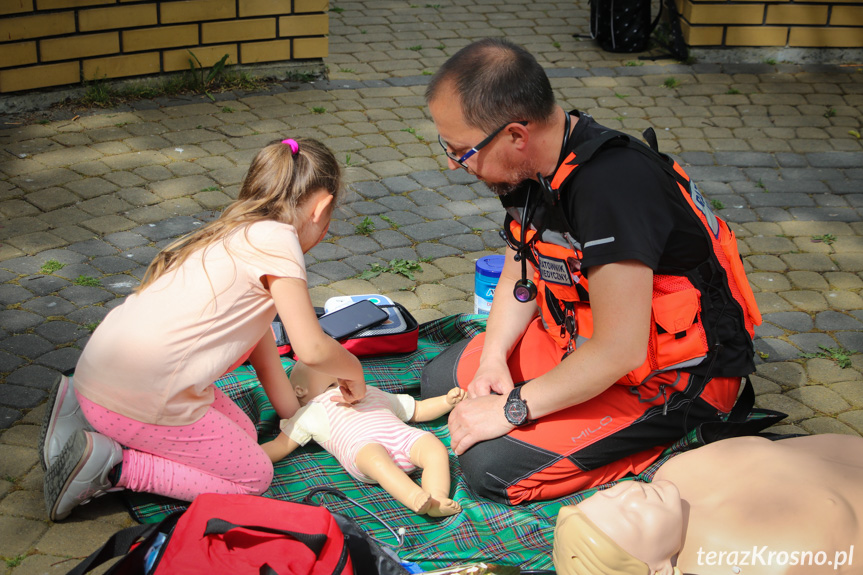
x,y
352,319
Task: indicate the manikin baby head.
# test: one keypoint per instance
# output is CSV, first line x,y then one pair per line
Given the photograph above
x,y
633,528
309,383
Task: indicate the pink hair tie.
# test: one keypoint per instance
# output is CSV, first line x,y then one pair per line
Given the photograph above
x,y
295,147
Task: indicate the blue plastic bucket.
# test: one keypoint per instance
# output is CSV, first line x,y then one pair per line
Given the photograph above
x,y
485,281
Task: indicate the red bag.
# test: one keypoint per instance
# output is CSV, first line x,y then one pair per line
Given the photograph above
x,y
236,534
243,534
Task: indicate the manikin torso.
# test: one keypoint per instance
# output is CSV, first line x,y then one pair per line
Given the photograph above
x,y
800,502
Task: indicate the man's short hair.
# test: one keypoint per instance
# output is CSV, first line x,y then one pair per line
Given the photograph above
x,y
497,82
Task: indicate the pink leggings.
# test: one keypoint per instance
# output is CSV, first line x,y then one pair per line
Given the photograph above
x,y
219,453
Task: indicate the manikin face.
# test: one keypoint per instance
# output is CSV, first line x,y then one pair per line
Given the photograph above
x,y
498,164
645,519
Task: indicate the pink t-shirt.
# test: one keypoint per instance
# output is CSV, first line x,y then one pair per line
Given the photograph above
x,y
154,358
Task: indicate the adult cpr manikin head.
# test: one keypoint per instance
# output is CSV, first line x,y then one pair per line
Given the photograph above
x,y
633,528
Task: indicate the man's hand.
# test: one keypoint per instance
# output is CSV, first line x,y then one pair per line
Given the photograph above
x,y
477,419
490,377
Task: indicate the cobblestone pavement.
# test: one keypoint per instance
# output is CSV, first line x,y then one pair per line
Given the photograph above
x,y
86,202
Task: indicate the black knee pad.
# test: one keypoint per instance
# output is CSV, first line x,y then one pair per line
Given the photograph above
x,y
479,464
439,375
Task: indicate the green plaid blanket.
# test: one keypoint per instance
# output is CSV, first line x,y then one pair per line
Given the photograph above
x,y
484,531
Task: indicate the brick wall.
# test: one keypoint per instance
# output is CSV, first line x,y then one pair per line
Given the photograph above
x,y
55,42
781,23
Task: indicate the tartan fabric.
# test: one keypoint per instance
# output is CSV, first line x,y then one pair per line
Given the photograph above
x,y
484,531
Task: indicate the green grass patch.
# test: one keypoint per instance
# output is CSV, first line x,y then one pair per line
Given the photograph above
x,y
824,239
397,266
840,355
365,227
388,220
88,281
51,266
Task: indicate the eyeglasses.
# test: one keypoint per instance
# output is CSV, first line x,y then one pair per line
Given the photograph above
x,y
461,161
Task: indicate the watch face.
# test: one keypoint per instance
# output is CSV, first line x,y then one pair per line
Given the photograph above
x,y
515,411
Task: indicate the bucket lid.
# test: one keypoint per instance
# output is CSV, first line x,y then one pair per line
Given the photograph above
x,y
490,266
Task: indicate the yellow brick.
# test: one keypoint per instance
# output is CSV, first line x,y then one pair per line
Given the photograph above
x,y
117,17
796,14
39,77
19,54
826,37
756,36
121,66
54,4
36,26
80,46
311,48
301,6
238,30
273,51
163,37
264,8
847,16
723,13
15,6
701,35
317,25
176,60
196,10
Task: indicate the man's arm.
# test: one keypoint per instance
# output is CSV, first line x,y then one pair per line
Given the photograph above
x,y
507,321
620,297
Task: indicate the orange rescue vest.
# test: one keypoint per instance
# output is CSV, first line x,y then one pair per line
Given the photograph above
x,y
679,338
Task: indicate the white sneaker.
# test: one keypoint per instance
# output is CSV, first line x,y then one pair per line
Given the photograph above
x,y
62,418
80,472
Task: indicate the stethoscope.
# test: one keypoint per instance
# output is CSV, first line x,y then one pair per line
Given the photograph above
x,y
525,289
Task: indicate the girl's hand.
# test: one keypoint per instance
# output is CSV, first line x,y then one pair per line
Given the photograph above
x,y
455,395
353,390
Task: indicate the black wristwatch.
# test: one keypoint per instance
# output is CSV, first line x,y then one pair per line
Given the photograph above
x,y
515,409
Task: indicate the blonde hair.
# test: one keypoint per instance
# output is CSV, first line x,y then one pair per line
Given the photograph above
x,y
581,548
277,183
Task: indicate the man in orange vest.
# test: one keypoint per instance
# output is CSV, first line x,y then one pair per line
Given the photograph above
x,y
597,384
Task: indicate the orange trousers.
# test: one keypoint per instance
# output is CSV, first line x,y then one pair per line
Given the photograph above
x,y
620,432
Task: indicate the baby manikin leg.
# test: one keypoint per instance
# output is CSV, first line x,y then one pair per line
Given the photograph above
x,y
374,461
429,454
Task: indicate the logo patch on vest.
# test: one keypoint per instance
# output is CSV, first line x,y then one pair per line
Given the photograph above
x,y
554,270
702,205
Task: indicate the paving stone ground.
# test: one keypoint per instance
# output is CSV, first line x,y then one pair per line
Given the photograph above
x,y
86,202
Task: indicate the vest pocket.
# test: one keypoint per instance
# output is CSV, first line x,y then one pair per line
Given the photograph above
x,y
677,339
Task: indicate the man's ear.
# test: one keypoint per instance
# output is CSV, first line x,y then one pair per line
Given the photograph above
x,y
321,209
519,135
